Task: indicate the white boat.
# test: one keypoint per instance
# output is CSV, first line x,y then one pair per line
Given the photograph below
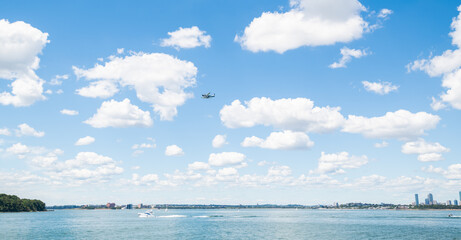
x,y
146,214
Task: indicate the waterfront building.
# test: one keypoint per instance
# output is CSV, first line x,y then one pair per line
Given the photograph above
x,y
431,198
460,196
416,200
426,201
448,202
140,205
110,205
455,202
129,206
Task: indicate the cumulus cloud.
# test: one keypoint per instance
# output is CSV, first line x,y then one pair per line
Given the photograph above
x,y
337,162
20,43
18,149
347,55
157,78
381,88
452,172
195,166
219,141
400,124
307,23
85,167
280,140
446,65
382,144
119,114
57,80
297,114
145,145
437,104
173,150
99,89
427,152
85,141
69,112
187,38
26,130
384,13
226,159
5,131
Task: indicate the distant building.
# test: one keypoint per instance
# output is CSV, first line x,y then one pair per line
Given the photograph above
x,y
455,202
460,196
448,202
431,198
129,206
416,200
426,201
140,205
110,205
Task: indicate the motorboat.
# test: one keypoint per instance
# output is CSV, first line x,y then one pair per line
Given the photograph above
x,y
146,214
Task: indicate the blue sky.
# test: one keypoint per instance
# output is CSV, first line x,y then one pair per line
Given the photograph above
x,y
316,101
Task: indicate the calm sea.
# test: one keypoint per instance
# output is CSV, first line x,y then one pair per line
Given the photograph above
x,y
231,224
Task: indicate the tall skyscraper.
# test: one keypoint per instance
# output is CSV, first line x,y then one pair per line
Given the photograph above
x,y
416,200
460,196
455,202
431,198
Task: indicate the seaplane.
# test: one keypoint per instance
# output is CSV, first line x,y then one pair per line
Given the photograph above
x,y
208,95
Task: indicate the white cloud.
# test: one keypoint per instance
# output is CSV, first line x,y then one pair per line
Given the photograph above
x,y
337,162
427,152
98,89
86,166
297,114
430,157
148,179
384,13
18,149
69,112
280,140
226,158
437,104
57,80
173,150
119,114
120,50
400,124
453,171
145,145
381,88
187,38
219,141
307,23
157,78
279,171
26,130
382,144
195,166
85,141
447,65
5,131
347,55
20,43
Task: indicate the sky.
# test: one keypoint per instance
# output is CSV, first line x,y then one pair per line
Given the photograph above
x,y
316,101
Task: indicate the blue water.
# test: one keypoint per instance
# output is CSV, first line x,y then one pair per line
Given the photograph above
x,y
231,224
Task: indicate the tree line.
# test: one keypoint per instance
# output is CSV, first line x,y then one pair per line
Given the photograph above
x,y
12,203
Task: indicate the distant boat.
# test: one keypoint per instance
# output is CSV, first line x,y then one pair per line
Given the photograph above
x,y
452,216
146,214
166,209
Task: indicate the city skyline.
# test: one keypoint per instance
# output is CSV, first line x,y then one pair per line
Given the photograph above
x,y
315,101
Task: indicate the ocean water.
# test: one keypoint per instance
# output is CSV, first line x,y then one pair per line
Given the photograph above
x,y
231,224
